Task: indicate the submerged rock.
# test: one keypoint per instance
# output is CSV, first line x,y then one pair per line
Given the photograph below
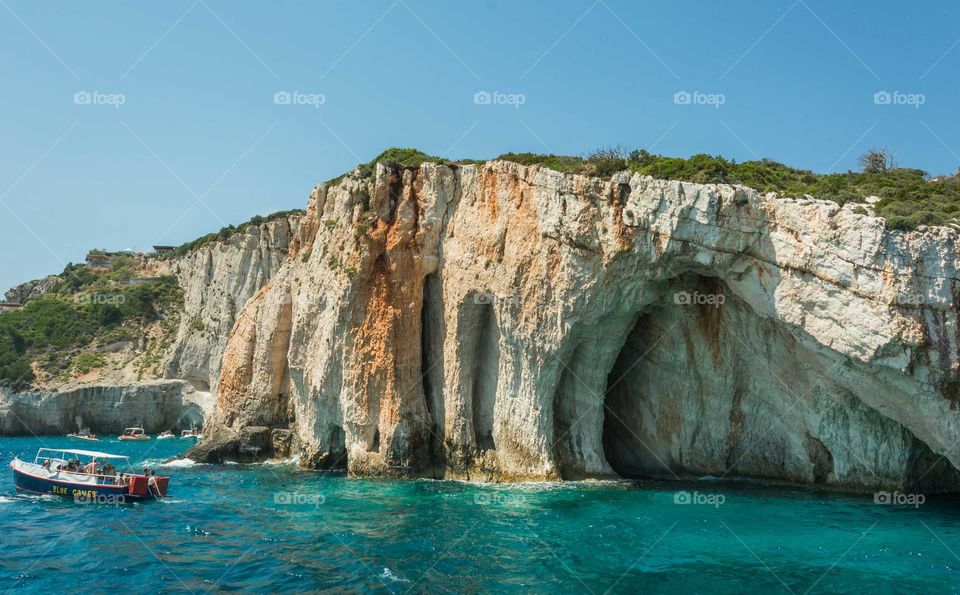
x,y
504,322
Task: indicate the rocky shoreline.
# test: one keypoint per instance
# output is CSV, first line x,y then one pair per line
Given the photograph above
x,y
216,278
156,406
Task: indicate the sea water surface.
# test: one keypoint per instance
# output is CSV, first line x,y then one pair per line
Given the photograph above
x,y
277,528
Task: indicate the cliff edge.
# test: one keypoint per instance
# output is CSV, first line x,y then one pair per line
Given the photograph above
x,y
502,322
112,333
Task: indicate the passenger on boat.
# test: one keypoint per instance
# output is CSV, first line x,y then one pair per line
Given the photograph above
x,y
91,468
152,483
46,464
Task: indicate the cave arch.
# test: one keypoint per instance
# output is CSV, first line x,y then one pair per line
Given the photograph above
x,y
697,384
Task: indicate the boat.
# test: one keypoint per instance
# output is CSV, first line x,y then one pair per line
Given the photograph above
x,y
165,435
193,433
133,434
48,474
84,434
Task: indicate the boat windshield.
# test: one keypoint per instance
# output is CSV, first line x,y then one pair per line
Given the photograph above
x,y
61,454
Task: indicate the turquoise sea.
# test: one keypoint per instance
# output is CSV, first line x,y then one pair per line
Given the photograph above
x,y
277,528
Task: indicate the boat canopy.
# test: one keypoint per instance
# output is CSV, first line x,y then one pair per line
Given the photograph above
x,y
82,453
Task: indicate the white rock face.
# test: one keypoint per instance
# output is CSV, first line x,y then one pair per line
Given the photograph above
x,y
502,322
217,280
31,289
155,406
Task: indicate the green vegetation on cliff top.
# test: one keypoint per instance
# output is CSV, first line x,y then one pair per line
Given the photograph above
x,y
90,308
228,231
908,197
87,308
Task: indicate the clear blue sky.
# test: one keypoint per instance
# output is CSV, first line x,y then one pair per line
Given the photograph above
x,y
199,142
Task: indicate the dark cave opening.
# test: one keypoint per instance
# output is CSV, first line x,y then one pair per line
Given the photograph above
x,y
431,361
704,386
625,404
675,347
485,373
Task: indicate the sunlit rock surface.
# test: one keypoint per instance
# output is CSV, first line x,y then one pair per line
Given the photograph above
x,y
501,322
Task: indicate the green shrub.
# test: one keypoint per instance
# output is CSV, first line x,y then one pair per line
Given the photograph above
x,y
18,375
121,268
394,156
86,362
561,163
49,326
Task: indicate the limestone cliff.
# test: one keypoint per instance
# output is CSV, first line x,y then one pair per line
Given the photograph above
x,y
186,342
156,406
31,289
505,322
217,280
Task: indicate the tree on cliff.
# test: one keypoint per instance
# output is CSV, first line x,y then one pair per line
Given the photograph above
x,y
877,161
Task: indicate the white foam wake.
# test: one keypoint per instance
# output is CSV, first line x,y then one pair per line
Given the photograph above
x,y
181,463
389,575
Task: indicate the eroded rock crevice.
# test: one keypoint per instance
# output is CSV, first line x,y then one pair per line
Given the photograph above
x,y
431,363
484,373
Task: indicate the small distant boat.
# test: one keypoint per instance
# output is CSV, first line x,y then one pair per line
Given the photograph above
x,y
165,435
191,434
61,472
84,434
133,434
